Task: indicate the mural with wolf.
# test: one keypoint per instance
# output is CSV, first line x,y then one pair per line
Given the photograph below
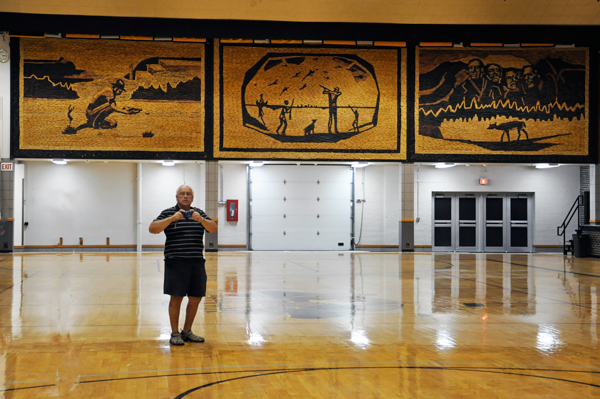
x,y
508,101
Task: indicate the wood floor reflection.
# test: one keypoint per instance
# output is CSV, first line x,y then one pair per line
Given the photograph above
x,y
305,325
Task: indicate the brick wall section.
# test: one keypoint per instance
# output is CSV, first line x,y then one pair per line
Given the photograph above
x,y
584,179
584,185
408,191
594,243
212,202
7,193
407,224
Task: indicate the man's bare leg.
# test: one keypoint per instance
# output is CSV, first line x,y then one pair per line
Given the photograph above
x,y
174,310
190,312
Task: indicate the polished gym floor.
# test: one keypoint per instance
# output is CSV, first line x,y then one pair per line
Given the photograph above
x,y
303,325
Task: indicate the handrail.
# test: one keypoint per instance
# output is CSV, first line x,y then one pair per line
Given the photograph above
x,y
574,208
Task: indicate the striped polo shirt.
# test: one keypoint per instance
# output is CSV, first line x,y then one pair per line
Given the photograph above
x,y
185,236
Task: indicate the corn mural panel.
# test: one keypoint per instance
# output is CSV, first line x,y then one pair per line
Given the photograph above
x,y
311,103
490,102
110,98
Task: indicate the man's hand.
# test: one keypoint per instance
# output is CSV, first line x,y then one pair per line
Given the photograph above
x,y
197,217
130,111
177,215
158,226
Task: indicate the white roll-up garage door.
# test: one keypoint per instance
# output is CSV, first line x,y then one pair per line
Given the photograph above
x,y
300,207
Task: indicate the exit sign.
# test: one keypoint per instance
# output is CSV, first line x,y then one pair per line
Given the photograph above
x,y
6,167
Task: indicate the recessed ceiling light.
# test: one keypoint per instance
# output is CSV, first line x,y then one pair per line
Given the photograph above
x,y
445,165
360,164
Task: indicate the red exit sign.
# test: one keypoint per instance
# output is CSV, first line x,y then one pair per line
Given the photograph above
x,y
6,167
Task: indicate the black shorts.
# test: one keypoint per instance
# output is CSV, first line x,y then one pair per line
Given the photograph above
x,y
185,277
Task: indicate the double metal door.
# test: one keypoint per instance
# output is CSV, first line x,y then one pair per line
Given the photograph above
x,y
481,222
455,222
507,223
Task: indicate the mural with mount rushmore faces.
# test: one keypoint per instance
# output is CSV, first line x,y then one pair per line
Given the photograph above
x,y
311,103
491,102
110,98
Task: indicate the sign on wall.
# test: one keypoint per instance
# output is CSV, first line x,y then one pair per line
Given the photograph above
x,y
109,99
507,104
6,166
310,103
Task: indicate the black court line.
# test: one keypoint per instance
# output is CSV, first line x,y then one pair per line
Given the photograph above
x,y
21,389
275,372
581,305
301,265
463,265
267,372
544,268
12,286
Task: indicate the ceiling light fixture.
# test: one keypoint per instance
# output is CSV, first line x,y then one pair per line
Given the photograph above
x,y
59,161
445,165
168,163
359,164
546,165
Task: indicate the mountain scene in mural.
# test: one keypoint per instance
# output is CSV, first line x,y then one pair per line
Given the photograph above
x,y
503,100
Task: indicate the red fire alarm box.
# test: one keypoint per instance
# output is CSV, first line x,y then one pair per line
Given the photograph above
x,y
232,210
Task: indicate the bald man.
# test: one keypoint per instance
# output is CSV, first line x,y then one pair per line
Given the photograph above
x,y
185,273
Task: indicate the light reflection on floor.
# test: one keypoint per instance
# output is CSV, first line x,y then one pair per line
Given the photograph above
x,y
326,323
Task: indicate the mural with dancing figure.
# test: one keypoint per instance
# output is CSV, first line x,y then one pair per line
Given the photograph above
x,y
315,103
501,102
110,98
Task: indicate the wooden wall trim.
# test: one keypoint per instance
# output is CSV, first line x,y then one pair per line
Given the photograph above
x,y
84,246
377,246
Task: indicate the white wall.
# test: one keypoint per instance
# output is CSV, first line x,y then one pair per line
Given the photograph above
x,y
97,200
89,200
18,185
554,191
235,186
379,186
5,103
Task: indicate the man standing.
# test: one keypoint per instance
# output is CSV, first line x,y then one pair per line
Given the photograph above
x,y
333,96
285,109
185,274
260,104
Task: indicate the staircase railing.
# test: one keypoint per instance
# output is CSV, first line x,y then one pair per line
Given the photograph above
x,y
561,230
